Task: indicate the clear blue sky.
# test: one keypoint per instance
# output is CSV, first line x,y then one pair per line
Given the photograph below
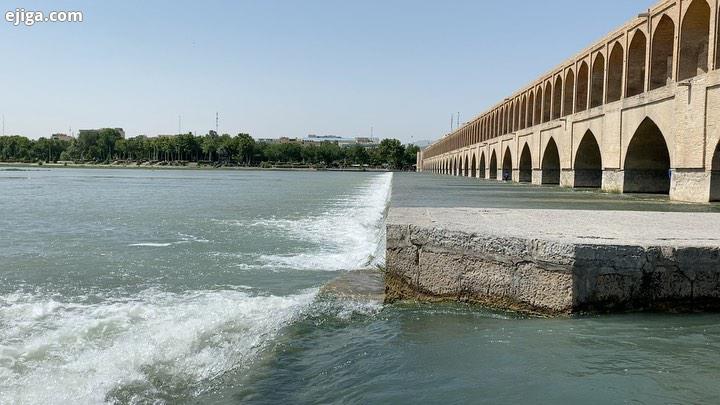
x,y
285,68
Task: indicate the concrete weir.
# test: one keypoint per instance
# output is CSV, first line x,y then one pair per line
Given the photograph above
x,y
555,261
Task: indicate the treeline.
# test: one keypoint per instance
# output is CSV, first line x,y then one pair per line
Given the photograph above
x,y
108,146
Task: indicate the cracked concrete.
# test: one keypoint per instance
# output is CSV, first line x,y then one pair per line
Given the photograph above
x,y
555,262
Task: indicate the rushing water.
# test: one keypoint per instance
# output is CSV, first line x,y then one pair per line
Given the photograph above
x,y
137,286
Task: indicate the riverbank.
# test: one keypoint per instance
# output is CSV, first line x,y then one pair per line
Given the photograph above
x,y
187,167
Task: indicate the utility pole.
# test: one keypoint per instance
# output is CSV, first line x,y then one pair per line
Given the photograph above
x,y
452,122
458,121
179,124
217,122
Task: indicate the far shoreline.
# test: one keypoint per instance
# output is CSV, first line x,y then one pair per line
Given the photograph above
x,y
180,167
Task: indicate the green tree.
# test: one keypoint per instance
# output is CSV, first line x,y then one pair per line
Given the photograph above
x,y
391,152
245,145
357,154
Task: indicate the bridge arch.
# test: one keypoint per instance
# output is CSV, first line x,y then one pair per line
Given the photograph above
x,y
525,165
569,89
598,81
530,107
694,40
581,92
647,161
481,166
523,112
661,59
636,64
493,166
557,98
547,102
466,167
588,163
551,163
715,175
615,73
537,115
473,167
507,164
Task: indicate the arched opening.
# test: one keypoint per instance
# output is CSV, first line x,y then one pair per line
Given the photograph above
x,y
647,162
523,112
473,167
661,60
546,102
582,88
530,105
513,125
502,121
715,175
569,88
507,165
636,65
537,116
557,98
525,165
615,72
466,168
588,163
481,167
551,164
493,172
694,39
598,81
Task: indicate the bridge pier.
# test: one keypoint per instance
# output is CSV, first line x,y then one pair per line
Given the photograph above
x,y
612,181
692,185
537,177
567,178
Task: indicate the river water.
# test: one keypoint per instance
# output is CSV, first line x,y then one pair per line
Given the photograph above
x,y
140,286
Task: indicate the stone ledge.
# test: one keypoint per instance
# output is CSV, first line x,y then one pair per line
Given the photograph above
x,y
554,262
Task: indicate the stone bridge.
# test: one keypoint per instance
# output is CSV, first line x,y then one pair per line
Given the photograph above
x,y
636,112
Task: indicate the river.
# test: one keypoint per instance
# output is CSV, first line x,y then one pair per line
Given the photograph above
x,y
174,286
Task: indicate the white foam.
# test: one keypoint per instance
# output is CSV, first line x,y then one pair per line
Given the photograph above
x,y
151,244
56,352
350,235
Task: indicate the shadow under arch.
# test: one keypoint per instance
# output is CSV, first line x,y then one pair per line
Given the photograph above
x,y
551,164
588,163
493,166
715,175
647,161
507,165
473,167
481,166
525,166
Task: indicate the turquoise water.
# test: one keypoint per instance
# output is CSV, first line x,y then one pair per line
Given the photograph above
x,y
138,286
